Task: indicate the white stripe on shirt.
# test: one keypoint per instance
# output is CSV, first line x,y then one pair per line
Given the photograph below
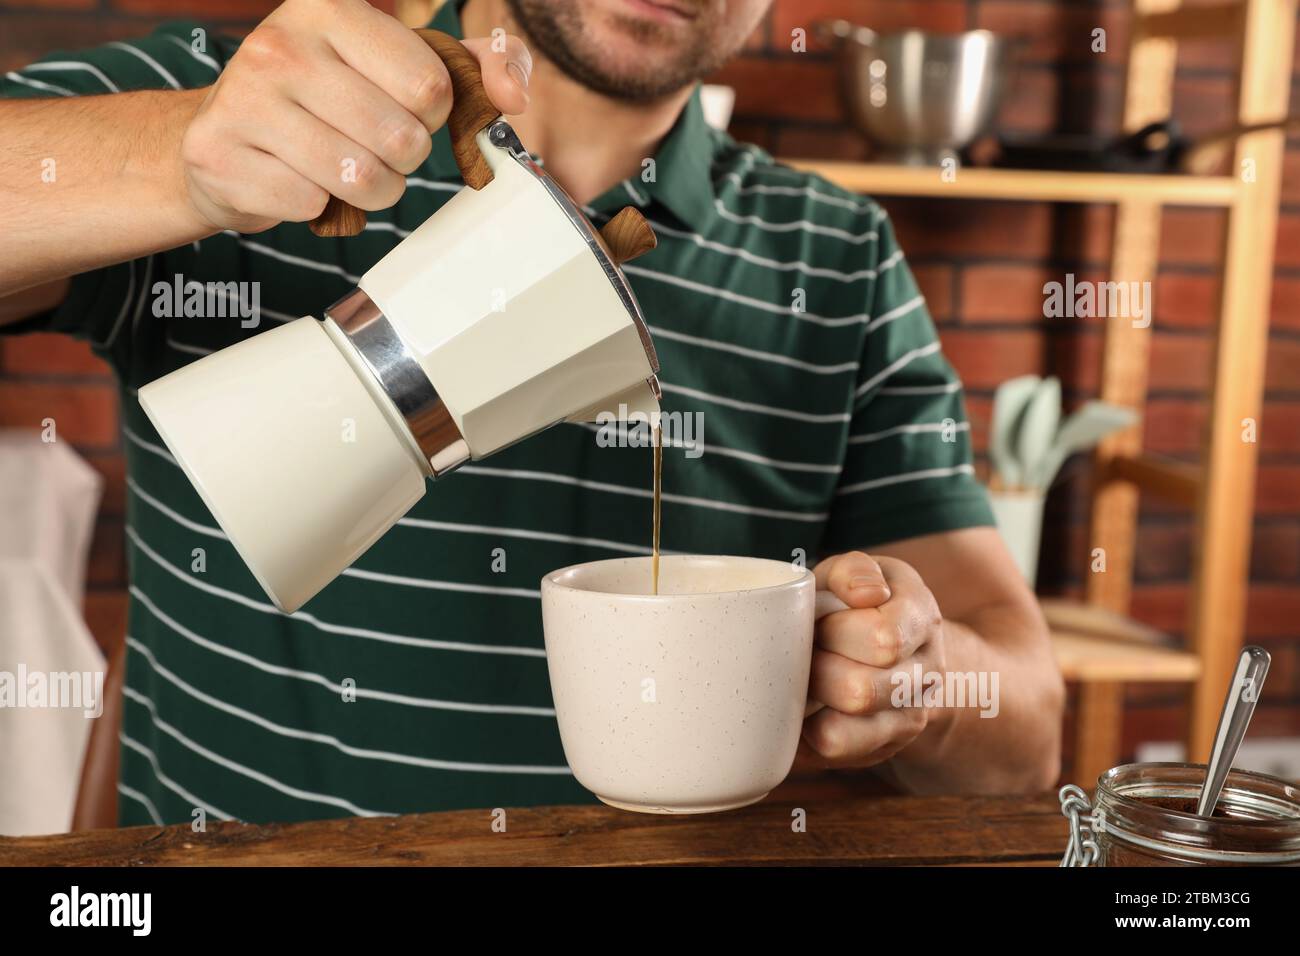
x,y
158,67
328,739
167,781
907,478
201,57
907,430
335,689
829,322
242,769
899,363
38,85
61,65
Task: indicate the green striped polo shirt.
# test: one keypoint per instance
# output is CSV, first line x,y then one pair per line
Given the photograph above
x,y
783,314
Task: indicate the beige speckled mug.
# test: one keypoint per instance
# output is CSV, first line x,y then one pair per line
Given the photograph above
x,y
686,701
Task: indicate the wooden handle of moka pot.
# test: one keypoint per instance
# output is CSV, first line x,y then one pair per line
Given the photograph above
x,y
471,111
628,235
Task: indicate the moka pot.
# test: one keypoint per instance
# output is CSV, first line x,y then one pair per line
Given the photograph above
x,y
506,312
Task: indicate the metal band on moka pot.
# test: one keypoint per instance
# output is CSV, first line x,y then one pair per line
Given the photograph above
x,y
476,128
403,380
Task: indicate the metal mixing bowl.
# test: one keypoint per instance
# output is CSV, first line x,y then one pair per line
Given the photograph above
x,y
919,97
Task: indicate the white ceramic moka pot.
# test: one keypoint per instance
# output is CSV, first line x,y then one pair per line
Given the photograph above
x,y
506,312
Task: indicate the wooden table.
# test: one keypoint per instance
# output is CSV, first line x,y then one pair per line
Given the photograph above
x,y
842,827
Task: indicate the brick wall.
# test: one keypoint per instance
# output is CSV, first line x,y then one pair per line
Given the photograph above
x,y
982,266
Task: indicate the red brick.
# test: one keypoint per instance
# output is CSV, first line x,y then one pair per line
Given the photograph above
x,y
1014,293
106,617
1184,300
1273,611
1168,723
932,227
1192,237
1163,606
979,411
1173,426
1003,293
50,354
85,415
106,567
1275,722
819,142
1284,304
984,361
1275,551
1279,430
758,133
795,87
1283,365
1283,673
1210,54
112,468
1287,251
1180,362
1056,32
1277,492
1153,722
1204,104
935,282
884,16
49,4
29,36
1154,696
1031,103
254,10
1291,176
1100,99
1163,553
1084,233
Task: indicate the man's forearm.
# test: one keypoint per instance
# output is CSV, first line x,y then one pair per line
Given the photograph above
x,y
1016,750
90,181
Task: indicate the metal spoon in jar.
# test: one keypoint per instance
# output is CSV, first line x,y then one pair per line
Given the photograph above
x,y
1238,707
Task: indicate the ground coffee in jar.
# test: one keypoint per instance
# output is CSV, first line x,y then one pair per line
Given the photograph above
x,y
1145,815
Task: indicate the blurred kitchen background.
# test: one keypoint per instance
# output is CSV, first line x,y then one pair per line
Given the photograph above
x,y
982,265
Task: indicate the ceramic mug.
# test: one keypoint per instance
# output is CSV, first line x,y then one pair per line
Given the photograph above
x,y
686,701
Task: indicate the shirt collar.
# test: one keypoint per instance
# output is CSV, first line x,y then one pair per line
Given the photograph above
x,y
682,180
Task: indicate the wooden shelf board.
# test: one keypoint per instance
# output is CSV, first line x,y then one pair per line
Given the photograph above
x,y
1075,617
1031,185
1083,657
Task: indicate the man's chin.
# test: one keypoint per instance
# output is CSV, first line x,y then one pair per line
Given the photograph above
x,y
622,50
630,61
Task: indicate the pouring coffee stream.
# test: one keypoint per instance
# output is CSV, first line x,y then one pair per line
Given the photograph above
x,y
658,496
504,313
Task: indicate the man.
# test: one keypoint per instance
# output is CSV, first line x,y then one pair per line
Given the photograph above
x,y
782,311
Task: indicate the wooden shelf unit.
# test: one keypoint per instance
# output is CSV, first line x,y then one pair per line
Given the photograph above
x,y
1030,185
1221,489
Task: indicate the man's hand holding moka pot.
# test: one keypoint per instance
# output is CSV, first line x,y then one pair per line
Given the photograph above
x,y
324,97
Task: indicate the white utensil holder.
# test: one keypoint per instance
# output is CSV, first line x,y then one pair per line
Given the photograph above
x,y
1019,515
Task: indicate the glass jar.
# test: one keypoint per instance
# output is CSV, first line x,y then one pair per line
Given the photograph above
x,y
1145,815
